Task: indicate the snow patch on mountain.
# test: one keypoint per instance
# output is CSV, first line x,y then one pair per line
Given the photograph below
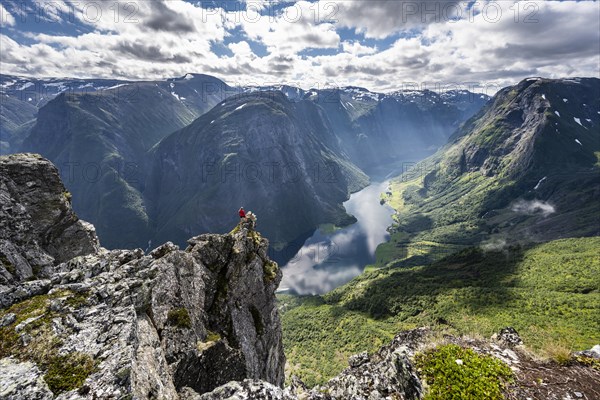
x,y
539,183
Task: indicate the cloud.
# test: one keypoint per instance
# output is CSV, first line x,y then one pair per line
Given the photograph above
x,y
6,18
162,18
149,52
388,46
533,207
290,31
382,18
357,49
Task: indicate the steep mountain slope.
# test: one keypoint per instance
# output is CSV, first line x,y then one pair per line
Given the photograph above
x,y
261,151
99,142
525,169
377,129
16,118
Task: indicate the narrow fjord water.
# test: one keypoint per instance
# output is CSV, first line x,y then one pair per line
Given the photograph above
x,y
330,259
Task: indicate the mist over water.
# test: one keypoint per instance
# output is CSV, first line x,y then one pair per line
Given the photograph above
x,y
328,260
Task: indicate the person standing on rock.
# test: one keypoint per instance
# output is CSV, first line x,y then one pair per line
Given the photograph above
x,y
242,214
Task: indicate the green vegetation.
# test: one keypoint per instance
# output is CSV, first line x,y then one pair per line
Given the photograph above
x,y
211,339
270,270
68,372
212,336
549,293
452,372
180,318
63,372
318,338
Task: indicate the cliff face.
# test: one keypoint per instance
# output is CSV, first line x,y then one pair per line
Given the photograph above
x,y
121,324
38,228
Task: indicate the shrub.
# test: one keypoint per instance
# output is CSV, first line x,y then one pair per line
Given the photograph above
x,y
180,318
453,372
68,372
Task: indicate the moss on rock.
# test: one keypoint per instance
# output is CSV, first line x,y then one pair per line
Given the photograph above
x,y
68,372
180,318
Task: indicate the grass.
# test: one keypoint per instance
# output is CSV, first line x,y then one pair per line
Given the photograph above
x,y
68,372
549,293
63,372
452,372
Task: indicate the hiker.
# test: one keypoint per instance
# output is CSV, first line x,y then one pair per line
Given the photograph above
x,y
242,214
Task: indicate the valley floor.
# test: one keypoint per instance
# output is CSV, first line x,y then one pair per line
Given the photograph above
x,y
550,293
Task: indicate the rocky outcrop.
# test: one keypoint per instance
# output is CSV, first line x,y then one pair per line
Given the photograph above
x,y
387,374
390,373
38,228
121,324
152,325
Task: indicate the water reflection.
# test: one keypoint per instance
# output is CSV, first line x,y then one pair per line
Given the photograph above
x,y
328,260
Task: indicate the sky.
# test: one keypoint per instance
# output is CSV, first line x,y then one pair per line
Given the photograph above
x,y
381,45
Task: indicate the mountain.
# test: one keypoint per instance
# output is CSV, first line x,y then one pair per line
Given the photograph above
x,y
277,158
525,169
38,228
99,142
101,134
16,119
21,97
378,129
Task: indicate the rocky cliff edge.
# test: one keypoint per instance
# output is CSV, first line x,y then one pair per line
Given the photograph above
x,y
79,321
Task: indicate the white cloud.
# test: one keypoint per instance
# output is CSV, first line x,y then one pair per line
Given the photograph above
x,y
145,39
533,207
6,18
357,49
381,18
290,31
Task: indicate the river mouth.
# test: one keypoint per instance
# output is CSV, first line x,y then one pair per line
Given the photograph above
x,y
333,256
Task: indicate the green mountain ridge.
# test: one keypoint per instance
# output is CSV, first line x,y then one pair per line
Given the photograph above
x,y
514,173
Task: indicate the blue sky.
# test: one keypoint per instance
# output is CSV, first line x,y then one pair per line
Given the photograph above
x,y
381,45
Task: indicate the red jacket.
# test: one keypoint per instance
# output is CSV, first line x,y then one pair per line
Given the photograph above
x,y
242,213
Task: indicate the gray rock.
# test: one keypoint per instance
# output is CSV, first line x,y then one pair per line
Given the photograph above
x,y
508,337
7,320
247,389
594,352
358,359
156,324
22,381
387,373
38,228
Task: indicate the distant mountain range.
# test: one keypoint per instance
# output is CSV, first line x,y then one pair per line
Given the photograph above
x,y
134,153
